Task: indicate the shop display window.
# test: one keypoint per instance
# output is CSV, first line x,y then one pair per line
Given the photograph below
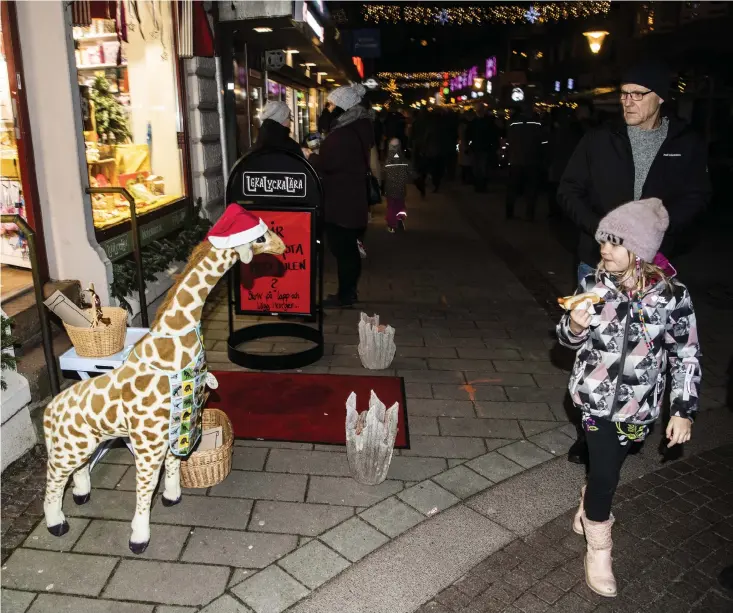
x,y
13,244
130,111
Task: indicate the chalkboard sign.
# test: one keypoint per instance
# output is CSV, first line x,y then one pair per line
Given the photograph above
x,y
282,284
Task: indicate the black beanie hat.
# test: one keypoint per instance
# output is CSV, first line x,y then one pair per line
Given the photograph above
x,y
652,74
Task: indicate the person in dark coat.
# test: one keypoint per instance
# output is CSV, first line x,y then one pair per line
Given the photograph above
x,y
564,138
525,136
275,128
342,164
647,156
396,177
483,142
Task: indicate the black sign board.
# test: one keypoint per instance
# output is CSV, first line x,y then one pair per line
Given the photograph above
x,y
283,190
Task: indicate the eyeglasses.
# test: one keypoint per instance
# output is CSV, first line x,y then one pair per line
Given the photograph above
x,y
635,96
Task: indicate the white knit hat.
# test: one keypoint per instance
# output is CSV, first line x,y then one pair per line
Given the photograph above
x,y
275,110
347,97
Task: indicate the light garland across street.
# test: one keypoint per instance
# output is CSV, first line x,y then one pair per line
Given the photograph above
x,y
540,12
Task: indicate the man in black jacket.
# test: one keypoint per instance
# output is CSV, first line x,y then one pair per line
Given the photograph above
x,y
648,156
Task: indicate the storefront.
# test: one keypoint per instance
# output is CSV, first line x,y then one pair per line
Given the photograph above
x,y
105,103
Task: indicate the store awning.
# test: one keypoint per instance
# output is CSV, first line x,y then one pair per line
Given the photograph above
x,y
288,34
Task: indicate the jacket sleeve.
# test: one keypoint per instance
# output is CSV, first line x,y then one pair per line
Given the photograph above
x,y
683,355
692,200
574,190
565,335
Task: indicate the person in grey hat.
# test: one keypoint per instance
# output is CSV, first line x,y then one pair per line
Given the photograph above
x,y
648,155
275,129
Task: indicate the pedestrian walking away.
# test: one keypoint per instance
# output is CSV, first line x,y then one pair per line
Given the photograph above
x,y
647,156
275,129
525,135
636,328
343,163
396,176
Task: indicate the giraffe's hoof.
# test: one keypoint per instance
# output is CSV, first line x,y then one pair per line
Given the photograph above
x,y
59,529
83,499
138,548
170,503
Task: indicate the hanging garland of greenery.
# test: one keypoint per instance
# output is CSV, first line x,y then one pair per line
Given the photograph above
x,y
8,361
157,257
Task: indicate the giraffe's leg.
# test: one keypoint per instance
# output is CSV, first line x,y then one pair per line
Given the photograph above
x,y
172,491
148,459
82,490
56,478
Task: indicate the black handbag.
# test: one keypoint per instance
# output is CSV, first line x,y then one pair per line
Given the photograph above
x,y
374,194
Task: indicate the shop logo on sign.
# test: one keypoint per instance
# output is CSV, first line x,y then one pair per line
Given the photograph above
x,y
274,184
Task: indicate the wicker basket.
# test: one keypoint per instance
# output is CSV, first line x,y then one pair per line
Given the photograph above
x,y
103,340
207,468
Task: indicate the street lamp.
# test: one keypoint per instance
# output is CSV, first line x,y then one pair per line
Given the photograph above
x,y
595,39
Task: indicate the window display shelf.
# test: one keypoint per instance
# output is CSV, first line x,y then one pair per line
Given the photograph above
x,y
95,37
100,66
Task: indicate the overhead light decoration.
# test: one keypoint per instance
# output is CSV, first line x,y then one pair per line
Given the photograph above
x,y
595,39
489,87
483,14
262,30
517,94
371,83
532,15
416,76
557,86
394,91
309,64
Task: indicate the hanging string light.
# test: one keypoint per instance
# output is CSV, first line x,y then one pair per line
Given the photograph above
x,y
417,76
479,15
394,92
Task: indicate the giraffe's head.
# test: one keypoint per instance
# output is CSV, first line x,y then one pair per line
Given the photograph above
x,y
269,242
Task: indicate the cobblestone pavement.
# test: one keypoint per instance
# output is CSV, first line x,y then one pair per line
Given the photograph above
x,y
485,391
673,535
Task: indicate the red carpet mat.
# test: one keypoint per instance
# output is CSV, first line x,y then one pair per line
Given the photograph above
x,y
299,407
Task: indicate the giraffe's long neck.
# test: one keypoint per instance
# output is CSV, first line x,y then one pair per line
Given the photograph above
x,y
184,312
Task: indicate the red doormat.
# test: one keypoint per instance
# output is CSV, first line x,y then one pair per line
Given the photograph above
x,y
301,408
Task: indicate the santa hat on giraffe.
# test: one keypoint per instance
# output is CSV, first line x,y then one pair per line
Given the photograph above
x,y
236,227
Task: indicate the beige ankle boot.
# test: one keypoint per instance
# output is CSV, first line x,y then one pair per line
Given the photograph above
x,y
577,520
598,571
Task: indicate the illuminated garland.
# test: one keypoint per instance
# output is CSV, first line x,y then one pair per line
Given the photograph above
x,y
477,15
417,76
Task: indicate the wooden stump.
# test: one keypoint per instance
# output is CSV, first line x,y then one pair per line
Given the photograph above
x,y
376,343
370,438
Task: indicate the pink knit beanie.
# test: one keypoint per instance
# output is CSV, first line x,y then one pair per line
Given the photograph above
x,y
639,226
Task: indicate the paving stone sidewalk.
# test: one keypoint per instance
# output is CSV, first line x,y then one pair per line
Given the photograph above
x,y
485,390
673,536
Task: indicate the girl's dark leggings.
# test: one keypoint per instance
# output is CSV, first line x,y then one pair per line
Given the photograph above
x,y
608,446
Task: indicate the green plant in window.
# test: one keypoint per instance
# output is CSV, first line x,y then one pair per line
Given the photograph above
x,y
109,114
8,360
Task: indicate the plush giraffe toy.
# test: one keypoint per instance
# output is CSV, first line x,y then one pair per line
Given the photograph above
x,y
141,399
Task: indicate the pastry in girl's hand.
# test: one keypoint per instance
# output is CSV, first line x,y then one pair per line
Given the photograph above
x,y
570,303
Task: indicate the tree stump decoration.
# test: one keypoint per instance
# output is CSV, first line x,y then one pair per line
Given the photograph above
x,y
370,438
376,343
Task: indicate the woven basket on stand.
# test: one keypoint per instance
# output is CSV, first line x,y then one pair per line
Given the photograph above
x,y
103,340
207,468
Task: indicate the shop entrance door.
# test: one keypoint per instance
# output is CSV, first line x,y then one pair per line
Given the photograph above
x,y
18,192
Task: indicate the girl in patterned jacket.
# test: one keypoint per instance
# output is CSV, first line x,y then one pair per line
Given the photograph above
x,y
642,329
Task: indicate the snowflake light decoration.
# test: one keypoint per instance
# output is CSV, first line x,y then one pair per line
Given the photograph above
x,y
532,15
443,17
